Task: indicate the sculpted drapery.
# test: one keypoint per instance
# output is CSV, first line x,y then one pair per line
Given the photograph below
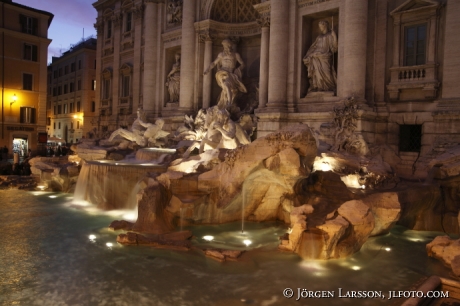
x,y
321,72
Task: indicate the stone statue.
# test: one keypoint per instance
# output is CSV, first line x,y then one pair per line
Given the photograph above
x,y
142,133
222,131
345,121
173,81
321,71
174,12
228,76
214,129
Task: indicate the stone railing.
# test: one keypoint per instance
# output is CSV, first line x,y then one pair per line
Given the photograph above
x,y
106,102
422,78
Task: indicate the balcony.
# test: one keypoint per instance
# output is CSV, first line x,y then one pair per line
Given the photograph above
x,y
413,83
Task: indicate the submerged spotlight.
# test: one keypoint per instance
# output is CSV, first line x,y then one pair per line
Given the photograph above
x,y
92,238
109,244
208,238
356,268
247,242
387,249
52,196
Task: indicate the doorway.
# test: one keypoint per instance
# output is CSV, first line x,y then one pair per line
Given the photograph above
x,y
21,146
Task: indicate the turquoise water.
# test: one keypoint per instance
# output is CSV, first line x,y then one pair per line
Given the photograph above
x,y
47,258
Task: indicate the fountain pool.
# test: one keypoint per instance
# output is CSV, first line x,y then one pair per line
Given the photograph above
x,y
49,258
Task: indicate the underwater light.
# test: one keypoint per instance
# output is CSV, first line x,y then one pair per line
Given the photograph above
x,y
356,268
325,167
109,244
387,249
92,237
41,187
247,242
363,186
208,238
52,196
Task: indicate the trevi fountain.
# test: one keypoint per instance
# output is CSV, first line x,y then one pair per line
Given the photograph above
x,y
212,213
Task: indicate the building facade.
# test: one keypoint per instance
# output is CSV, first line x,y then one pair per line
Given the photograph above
x,y
300,60
23,55
71,92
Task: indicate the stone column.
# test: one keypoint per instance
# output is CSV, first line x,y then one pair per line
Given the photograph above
x,y
138,13
117,20
99,25
207,79
150,46
264,56
187,69
451,72
355,41
278,57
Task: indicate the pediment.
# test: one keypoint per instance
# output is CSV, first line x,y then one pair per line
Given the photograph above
x,y
126,69
107,73
411,5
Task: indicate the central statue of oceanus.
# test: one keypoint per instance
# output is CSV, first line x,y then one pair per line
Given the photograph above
x,y
228,76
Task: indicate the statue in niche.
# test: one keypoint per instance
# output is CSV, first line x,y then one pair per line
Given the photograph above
x,y
173,81
174,12
142,133
228,76
319,60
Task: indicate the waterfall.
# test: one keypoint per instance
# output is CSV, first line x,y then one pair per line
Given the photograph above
x,y
80,188
111,185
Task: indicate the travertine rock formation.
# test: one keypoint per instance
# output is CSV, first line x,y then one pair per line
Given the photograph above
x,y
446,250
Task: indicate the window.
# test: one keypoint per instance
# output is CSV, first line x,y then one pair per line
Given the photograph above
x,y
29,25
54,125
71,125
59,125
27,114
78,124
415,45
48,121
59,110
109,29
410,138
128,23
93,85
54,91
65,109
60,71
79,85
125,88
414,71
30,52
55,111
72,67
59,90
66,70
79,64
71,107
71,87
93,106
55,74
27,81
65,88
94,64
106,92
78,106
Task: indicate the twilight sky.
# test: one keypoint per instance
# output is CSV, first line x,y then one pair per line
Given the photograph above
x,y
70,18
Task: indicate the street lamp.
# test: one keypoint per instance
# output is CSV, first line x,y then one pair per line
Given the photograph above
x,y
14,100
